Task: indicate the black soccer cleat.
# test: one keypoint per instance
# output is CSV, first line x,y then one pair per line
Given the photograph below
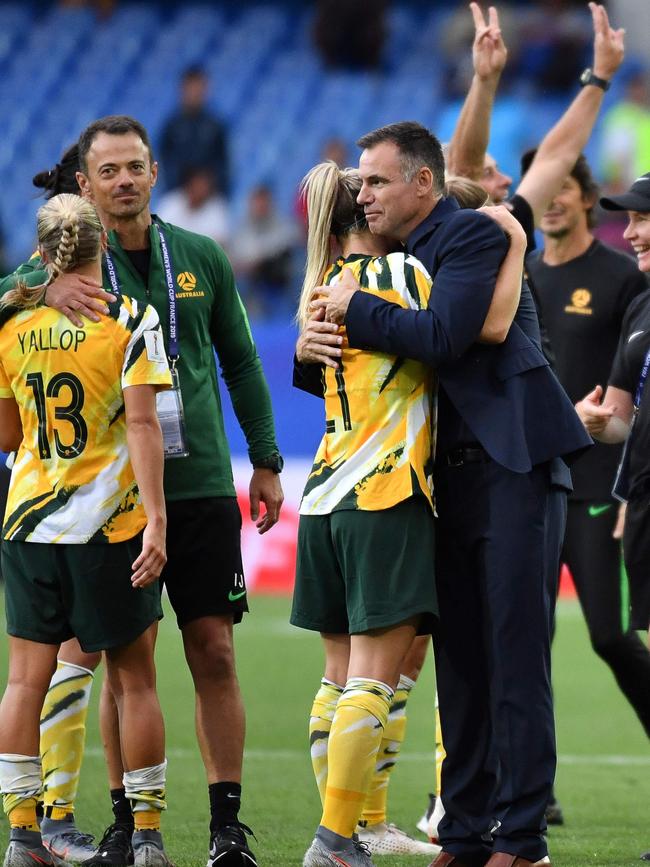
x,y
114,849
228,847
553,812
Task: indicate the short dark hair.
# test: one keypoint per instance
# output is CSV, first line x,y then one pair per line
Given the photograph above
x,y
581,174
112,124
417,145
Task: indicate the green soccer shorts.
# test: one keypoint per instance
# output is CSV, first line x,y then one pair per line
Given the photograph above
x,y
363,570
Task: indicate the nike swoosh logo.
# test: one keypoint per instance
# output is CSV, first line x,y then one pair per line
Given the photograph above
x,y
633,335
37,858
234,596
594,511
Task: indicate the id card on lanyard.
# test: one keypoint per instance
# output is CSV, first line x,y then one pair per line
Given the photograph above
x,y
621,489
169,402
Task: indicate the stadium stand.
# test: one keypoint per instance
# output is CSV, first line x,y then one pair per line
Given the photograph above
x,y
268,86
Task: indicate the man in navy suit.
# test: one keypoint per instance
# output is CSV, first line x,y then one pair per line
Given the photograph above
x,y
504,425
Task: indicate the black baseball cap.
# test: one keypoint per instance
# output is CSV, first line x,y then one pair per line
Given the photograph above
x,y
637,197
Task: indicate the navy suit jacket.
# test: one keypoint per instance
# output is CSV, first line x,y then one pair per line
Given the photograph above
x,y
506,393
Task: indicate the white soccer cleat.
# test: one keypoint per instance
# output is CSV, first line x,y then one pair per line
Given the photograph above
x,y
423,823
434,821
383,839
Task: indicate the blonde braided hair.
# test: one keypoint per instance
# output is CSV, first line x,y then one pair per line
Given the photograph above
x,y
69,235
67,244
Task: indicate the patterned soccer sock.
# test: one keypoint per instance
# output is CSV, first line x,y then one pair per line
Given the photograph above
x,y
63,735
320,723
356,733
225,803
21,786
121,808
374,807
145,789
440,750
24,815
147,820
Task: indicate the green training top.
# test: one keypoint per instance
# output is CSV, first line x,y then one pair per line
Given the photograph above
x,y
209,314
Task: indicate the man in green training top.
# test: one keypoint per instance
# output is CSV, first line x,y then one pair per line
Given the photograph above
x,y
189,281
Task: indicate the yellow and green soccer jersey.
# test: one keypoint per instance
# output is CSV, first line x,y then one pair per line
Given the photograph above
x,y
380,426
72,481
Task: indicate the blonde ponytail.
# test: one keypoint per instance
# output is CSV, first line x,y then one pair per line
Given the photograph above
x,y
468,193
320,188
69,235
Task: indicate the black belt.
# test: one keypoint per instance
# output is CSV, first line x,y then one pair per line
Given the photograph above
x,y
469,454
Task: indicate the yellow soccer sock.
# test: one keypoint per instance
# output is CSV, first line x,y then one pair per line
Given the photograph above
x,y
24,815
374,807
440,750
320,723
21,785
356,733
148,820
63,735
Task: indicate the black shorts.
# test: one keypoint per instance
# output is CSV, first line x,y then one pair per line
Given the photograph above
x,y
204,574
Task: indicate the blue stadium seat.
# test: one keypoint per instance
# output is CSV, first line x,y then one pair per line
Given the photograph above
x,y
268,85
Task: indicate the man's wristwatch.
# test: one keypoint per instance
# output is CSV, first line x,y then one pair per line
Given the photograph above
x,y
588,77
273,462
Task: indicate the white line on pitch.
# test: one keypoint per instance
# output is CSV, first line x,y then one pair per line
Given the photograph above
x,y
258,755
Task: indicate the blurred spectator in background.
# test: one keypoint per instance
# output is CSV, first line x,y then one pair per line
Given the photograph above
x,y
193,136
350,34
104,8
197,206
624,148
456,38
625,144
561,146
554,40
262,252
336,150
548,44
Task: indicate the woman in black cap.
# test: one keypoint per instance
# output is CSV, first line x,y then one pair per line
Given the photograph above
x,y
624,413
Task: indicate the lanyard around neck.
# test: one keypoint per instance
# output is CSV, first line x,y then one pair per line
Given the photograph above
x,y
114,280
642,381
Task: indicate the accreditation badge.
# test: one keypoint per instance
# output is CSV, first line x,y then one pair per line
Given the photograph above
x,y
169,405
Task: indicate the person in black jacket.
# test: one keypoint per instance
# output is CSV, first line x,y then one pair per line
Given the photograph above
x,y
193,137
504,425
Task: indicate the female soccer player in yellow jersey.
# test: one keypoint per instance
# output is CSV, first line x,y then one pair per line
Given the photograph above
x,y
84,529
65,709
364,575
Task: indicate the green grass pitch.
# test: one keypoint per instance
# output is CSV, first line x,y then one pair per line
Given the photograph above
x,y
603,778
